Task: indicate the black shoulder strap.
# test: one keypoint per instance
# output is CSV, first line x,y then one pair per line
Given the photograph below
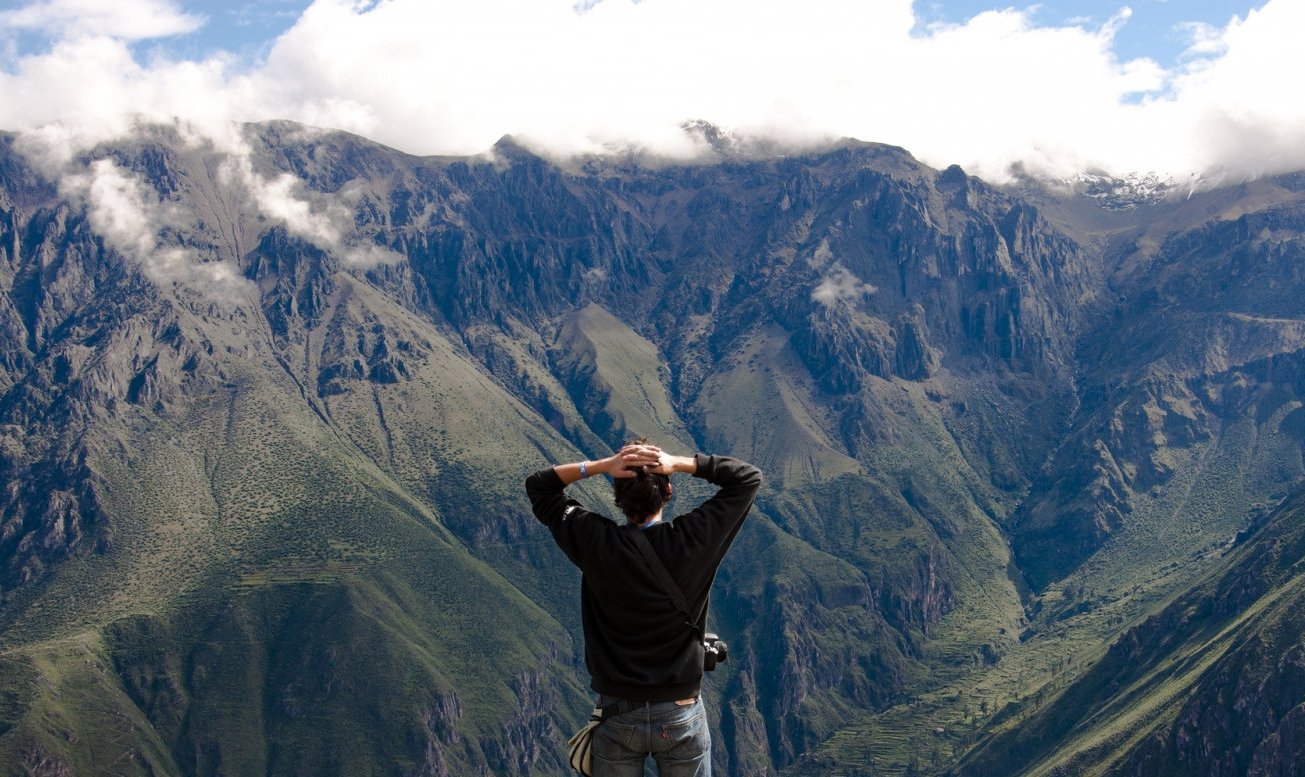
x,y
664,578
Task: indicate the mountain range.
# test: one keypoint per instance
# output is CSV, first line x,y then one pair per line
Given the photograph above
x,y
1033,457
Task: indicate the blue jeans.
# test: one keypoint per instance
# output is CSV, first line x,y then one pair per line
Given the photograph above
x,y
675,736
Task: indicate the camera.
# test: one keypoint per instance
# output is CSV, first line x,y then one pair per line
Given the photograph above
x,y
714,651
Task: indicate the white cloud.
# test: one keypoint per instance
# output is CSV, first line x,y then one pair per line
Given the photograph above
x,y
451,76
1202,39
91,89
79,95
129,216
277,199
840,285
125,19
1242,110
313,216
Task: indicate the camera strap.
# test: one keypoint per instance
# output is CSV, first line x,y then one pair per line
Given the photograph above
x,y
664,578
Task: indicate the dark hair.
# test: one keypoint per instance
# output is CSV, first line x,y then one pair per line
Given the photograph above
x,y
641,496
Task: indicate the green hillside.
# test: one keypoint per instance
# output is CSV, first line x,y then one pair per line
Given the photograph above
x,y
1225,652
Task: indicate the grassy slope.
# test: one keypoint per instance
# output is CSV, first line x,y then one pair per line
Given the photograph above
x,y
270,557
1246,605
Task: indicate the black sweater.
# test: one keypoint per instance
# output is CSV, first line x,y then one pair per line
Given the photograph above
x,y
637,646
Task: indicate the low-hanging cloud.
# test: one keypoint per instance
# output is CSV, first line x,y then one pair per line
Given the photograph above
x,y
451,76
839,286
129,216
313,216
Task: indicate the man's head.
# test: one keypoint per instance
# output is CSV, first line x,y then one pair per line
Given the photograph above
x,y
642,496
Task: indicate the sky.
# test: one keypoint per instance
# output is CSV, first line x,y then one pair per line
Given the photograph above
x,y
1210,89
1158,29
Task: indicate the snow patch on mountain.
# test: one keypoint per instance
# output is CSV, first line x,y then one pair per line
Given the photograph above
x,y
1126,192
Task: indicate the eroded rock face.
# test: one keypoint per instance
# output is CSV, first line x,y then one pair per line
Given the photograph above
x,y
41,764
1196,344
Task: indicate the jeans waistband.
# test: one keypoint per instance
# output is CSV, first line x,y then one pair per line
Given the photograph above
x,y
614,706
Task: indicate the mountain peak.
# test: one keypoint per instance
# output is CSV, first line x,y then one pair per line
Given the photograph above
x,y
1123,192
508,147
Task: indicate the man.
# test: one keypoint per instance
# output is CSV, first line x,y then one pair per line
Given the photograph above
x,y
645,659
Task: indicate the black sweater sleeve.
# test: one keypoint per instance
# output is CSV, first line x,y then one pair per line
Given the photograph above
x,y
717,520
565,518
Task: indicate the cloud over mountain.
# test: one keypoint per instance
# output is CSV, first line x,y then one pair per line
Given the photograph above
x,y
840,285
129,216
452,77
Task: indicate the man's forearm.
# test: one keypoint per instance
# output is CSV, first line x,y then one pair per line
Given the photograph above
x,y
577,470
686,464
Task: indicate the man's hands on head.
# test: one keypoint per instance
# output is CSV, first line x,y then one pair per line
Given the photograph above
x,y
623,463
653,459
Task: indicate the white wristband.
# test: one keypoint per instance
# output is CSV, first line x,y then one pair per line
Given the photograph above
x,y
584,469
